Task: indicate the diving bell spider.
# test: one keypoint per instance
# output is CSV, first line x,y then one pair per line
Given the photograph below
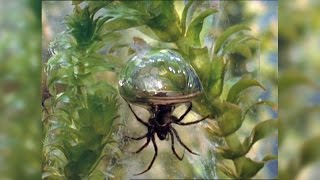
x,y
160,123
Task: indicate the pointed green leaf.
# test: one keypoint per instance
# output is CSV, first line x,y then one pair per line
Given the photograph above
x,y
184,16
195,27
96,64
103,111
58,76
148,32
234,143
204,107
269,158
227,170
260,131
228,153
216,78
240,86
231,119
111,38
226,34
267,103
247,168
120,23
199,60
243,50
212,128
230,47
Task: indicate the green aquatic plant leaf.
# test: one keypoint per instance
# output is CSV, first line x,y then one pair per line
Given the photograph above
x,y
231,119
227,153
166,25
229,172
239,87
240,45
270,104
199,58
243,50
216,77
260,131
247,168
121,23
195,27
184,16
205,107
233,142
102,112
81,25
226,34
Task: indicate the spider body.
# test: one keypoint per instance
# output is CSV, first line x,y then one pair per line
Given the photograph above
x,y
160,123
161,120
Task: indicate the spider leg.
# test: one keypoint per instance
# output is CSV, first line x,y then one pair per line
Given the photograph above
x,y
189,123
136,138
145,145
140,120
173,149
154,156
185,113
178,137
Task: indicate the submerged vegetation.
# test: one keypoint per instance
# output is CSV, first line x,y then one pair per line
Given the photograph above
x,y
82,108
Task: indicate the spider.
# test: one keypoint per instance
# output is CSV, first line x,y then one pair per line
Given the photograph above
x,y
160,123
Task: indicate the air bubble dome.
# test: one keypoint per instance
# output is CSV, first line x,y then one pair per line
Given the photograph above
x,y
159,77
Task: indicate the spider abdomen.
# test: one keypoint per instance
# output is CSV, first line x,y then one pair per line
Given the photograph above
x,y
162,132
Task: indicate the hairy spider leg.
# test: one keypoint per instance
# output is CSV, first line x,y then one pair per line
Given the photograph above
x,y
188,123
140,120
136,138
154,156
178,137
193,122
144,146
185,113
173,149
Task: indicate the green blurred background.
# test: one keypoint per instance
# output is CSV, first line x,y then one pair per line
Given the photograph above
x,y
299,96
20,105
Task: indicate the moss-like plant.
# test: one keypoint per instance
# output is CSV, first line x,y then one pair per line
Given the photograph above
x,y
81,109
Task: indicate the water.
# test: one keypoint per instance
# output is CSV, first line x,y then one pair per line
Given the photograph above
x,y
124,164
